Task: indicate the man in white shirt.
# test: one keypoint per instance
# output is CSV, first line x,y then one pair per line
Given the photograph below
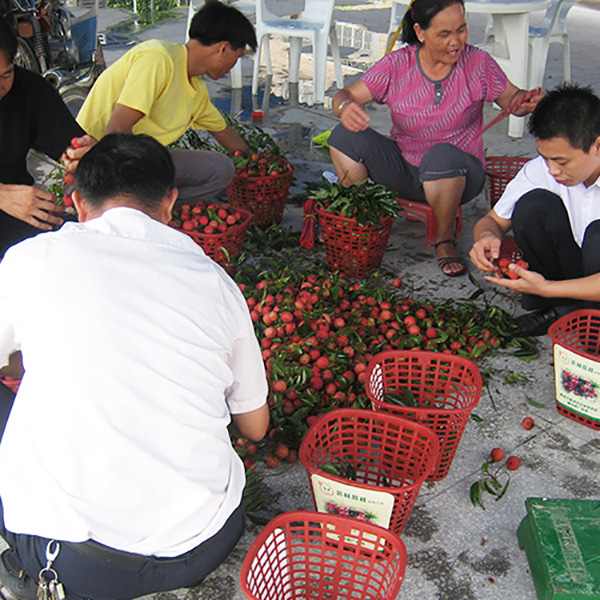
x,y
553,207
117,444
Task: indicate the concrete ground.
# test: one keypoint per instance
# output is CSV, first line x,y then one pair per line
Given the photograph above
x,y
455,551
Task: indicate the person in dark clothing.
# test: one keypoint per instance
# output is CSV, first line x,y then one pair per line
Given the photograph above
x,y
32,116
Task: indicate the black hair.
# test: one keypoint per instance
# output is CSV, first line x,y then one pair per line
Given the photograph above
x,y
8,39
217,22
124,164
569,111
422,12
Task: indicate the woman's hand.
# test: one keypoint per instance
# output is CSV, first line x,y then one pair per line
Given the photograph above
x,y
354,117
519,102
525,101
348,105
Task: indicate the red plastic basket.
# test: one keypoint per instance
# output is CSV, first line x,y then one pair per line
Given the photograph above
x,y
576,346
264,197
391,457
219,245
446,388
351,248
11,383
312,556
500,170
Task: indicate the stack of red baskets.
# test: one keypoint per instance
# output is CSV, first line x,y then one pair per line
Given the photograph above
x,y
390,456
351,248
446,388
311,556
264,196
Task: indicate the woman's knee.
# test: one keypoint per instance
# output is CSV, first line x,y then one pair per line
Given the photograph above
x,y
350,143
445,161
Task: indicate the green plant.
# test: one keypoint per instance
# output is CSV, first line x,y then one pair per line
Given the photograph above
x,y
365,202
494,482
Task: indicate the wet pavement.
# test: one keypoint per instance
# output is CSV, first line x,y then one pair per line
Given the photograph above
x,y
455,551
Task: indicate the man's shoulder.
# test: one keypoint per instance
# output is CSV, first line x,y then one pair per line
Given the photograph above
x,y
157,48
30,81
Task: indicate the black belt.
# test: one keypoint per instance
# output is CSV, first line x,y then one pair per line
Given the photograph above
x,y
111,556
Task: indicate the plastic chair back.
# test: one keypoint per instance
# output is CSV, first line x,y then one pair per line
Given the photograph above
x,y
551,30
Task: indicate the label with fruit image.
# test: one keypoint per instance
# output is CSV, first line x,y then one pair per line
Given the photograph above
x,y
337,498
577,382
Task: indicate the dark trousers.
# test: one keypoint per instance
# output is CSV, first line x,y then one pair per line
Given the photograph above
x,y
543,233
13,231
137,575
387,166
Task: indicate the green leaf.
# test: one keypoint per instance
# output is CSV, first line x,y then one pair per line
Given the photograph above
x,y
501,494
404,397
533,403
475,495
331,468
476,418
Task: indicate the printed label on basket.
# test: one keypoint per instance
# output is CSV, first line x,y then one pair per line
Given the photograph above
x,y
367,540
337,498
577,382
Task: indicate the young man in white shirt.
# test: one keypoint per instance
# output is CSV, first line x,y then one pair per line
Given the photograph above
x,y
553,207
117,443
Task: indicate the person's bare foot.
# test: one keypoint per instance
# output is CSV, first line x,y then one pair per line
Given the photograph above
x,y
450,261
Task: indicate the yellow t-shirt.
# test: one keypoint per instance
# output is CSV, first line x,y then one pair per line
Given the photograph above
x,y
152,78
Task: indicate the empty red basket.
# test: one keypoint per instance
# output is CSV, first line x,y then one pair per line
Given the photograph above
x,y
307,555
576,347
390,456
500,170
446,388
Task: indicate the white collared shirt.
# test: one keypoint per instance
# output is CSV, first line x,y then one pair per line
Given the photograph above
x,y
137,347
582,203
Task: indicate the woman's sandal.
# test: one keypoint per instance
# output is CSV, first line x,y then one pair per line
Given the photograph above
x,y
450,260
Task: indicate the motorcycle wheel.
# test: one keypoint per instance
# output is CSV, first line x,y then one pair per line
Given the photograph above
x,y
74,99
25,56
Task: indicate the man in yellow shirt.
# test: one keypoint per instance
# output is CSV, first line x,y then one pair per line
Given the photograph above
x,y
156,89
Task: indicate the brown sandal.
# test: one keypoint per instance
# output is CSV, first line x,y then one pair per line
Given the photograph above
x,y
450,260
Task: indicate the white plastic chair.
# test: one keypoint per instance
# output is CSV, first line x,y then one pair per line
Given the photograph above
x,y
316,24
398,10
244,6
552,30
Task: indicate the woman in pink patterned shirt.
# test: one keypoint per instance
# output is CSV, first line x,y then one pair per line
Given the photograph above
x,y
435,87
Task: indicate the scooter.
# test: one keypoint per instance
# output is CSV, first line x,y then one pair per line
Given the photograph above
x,y
60,43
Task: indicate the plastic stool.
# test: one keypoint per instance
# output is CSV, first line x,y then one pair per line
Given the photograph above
x,y
419,211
